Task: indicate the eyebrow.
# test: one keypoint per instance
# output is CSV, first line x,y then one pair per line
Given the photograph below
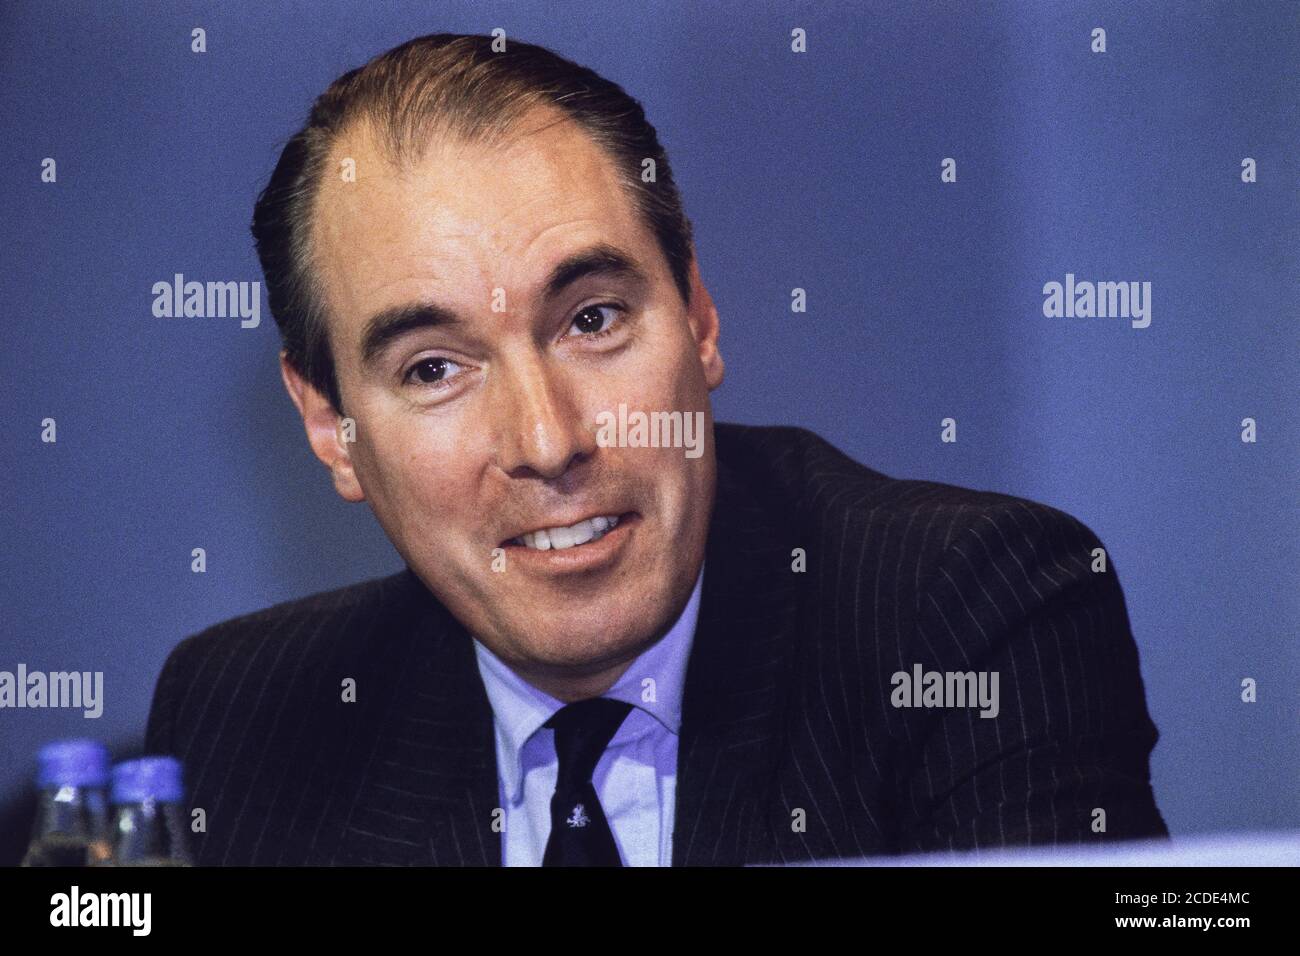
x,y
386,327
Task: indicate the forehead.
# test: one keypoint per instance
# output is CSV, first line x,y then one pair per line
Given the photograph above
x,y
464,213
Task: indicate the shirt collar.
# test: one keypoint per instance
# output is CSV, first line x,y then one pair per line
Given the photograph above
x,y
519,709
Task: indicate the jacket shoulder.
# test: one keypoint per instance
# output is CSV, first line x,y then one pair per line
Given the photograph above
x,y
824,486
854,516
324,610
303,632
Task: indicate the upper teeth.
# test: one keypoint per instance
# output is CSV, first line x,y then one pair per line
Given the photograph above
x,y
589,529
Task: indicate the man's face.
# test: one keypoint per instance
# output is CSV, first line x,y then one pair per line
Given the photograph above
x,y
481,426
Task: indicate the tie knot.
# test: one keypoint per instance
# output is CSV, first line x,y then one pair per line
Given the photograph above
x,y
582,732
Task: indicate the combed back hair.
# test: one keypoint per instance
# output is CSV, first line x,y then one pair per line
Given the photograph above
x,y
444,85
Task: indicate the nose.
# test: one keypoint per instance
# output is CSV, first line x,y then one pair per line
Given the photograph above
x,y
538,422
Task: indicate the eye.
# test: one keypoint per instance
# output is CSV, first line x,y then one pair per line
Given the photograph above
x,y
591,321
435,370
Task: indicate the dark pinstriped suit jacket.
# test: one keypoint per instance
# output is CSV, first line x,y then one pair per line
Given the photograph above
x,y
787,700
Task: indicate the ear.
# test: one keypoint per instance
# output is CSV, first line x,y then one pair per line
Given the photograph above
x,y
703,318
324,431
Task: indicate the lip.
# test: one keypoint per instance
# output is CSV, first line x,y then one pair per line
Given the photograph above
x,y
592,556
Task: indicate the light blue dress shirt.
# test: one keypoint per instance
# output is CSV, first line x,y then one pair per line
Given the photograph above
x,y
636,776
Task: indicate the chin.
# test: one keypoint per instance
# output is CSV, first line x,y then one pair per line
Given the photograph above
x,y
582,640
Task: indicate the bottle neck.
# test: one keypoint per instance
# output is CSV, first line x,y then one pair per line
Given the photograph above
x,y
149,833
71,828
71,811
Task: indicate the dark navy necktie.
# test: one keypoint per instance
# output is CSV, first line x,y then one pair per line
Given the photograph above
x,y
580,834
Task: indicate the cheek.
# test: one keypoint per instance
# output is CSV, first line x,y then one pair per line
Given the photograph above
x,y
682,369
664,374
410,472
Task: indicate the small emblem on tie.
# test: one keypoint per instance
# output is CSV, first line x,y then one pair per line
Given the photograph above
x,y
579,818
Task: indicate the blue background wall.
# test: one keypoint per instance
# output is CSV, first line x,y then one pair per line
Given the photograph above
x,y
819,171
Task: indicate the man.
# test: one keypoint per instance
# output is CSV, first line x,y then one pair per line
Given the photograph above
x,y
613,643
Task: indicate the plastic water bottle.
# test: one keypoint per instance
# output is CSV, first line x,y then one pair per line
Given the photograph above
x,y
148,827
71,826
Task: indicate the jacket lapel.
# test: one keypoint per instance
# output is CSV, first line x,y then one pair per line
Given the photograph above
x,y
430,788
736,682
466,800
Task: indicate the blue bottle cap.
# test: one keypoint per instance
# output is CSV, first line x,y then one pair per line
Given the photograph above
x,y
72,763
156,778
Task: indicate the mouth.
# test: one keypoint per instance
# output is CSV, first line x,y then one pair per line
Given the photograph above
x,y
587,545
563,537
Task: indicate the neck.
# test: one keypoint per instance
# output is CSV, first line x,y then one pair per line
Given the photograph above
x,y
574,687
